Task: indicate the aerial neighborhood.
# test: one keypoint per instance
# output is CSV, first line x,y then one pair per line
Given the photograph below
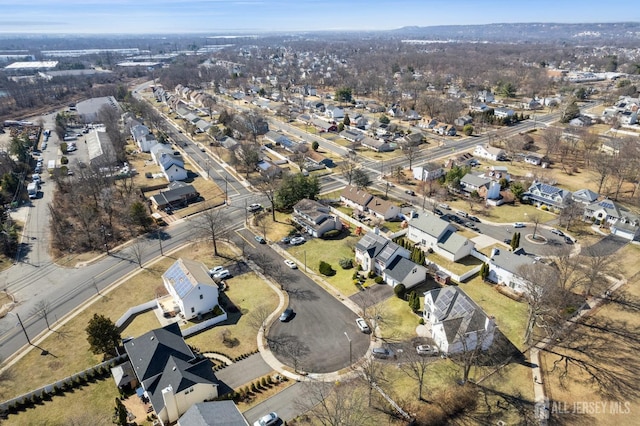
x,y
284,230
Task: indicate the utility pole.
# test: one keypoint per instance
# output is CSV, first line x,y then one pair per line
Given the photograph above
x,y
159,240
24,330
350,351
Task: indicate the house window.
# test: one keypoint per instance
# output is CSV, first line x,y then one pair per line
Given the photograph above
x,y
193,309
201,297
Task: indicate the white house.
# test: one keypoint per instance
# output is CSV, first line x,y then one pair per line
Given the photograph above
x,y
489,152
314,217
334,112
619,220
172,377
428,171
457,323
383,209
542,194
504,267
430,232
192,289
503,112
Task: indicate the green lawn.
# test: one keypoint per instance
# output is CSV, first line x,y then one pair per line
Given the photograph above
x,y
460,267
331,251
398,322
511,316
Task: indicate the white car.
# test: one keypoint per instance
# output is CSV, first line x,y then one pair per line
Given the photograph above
x,y
518,225
291,264
254,207
215,270
427,350
221,275
267,420
362,325
297,241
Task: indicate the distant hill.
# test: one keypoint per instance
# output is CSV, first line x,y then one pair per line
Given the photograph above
x,y
620,33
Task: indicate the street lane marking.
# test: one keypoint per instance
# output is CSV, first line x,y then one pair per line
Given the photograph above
x,y
241,236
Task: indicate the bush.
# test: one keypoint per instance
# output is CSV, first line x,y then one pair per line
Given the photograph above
x,y
378,280
544,208
355,276
372,274
346,263
334,233
421,322
400,291
64,160
326,269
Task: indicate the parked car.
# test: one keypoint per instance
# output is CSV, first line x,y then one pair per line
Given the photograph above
x,y
444,206
291,264
507,241
286,315
267,420
461,213
518,225
410,192
427,350
297,241
382,353
285,240
362,325
215,270
557,232
438,212
474,219
568,240
260,239
254,207
221,275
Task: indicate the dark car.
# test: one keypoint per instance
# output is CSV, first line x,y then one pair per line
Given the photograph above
x,y
438,212
568,240
474,219
382,353
507,241
260,239
410,192
286,315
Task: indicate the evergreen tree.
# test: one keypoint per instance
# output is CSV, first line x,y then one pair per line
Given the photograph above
x,y
120,413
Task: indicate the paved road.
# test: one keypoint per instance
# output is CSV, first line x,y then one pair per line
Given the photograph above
x,y
314,339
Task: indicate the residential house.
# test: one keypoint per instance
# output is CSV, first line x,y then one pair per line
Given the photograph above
x,y
383,209
377,254
315,218
352,135
542,194
534,158
580,121
457,323
428,171
324,126
319,159
411,115
229,143
463,120
395,112
530,104
628,117
414,138
334,112
497,173
584,196
282,140
170,374
359,122
479,107
170,162
471,182
503,112
430,232
142,136
432,124
355,197
505,268
193,291
489,152
268,168
376,145
485,96
304,118
374,107
213,413
612,215
178,194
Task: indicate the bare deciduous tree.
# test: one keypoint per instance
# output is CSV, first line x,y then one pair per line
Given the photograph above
x,y
415,366
330,404
211,224
258,317
42,309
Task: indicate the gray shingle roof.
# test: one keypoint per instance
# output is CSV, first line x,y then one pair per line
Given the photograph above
x,y
510,261
429,224
214,413
400,268
372,244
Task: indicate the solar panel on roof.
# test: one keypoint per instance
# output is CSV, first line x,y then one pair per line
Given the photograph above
x,y
606,205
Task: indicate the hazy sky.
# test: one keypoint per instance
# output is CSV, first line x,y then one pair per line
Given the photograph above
x,y
213,16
